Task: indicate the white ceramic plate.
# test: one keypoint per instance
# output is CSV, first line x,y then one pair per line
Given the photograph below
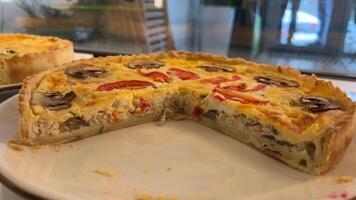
x,y
179,159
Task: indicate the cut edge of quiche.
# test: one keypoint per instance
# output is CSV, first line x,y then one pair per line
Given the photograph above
x,y
305,122
24,54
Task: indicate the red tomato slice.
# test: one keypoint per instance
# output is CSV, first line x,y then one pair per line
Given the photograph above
x,y
130,84
215,80
156,76
143,104
116,117
197,111
258,87
182,74
219,79
222,94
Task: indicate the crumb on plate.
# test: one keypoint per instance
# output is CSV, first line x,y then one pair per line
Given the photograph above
x,y
57,147
15,146
343,179
106,171
148,196
35,149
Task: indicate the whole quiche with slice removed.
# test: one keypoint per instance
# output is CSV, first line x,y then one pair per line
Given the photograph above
x,y
22,55
298,119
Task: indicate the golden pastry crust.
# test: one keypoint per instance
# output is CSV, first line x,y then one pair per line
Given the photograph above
x,y
309,141
338,137
22,55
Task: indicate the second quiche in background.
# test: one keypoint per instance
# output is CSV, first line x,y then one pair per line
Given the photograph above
x,y
22,55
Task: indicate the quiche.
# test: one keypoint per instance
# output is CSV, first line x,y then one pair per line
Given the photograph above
x,y
22,55
298,119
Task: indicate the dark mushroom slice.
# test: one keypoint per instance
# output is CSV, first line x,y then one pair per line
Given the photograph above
x,y
10,51
279,142
178,107
73,123
57,101
83,71
281,82
216,68
303,162
310,147
146,64
7,52
211,114
317,104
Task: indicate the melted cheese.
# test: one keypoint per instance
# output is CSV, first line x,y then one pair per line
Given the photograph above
x,y
17,44
290,120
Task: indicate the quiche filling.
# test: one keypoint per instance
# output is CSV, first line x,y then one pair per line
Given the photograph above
x,y
279,112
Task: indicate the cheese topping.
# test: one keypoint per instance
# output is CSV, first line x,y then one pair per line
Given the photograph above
x,y
17,44
111,85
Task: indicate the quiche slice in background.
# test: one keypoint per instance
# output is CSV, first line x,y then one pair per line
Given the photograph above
x,y
298,119
22,55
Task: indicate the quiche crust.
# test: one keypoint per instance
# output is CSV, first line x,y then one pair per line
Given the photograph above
x,y
22,55
327,136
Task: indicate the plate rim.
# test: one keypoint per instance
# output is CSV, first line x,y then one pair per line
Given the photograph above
x,y
8,179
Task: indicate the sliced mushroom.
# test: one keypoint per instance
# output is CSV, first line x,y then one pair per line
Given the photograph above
x,y
215,68
310,147
177,107
56,101
7,52
252,123
10,51
73,123
146,64
303,162
281,82
211,114
317,104
83,71
279,142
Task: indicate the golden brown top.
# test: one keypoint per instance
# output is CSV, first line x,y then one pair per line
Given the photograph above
x,y
297,105
21,44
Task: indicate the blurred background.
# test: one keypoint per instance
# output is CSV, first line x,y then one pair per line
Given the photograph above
x,y
316,36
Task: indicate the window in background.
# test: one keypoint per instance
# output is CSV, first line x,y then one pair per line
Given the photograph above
x,y
307,34
350,38
125,26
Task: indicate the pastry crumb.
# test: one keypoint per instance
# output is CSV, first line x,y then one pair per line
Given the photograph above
x,y
343,179
144,196
169,169
35,149
15,146
148,196
323,180
106,171
57,147
71,146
